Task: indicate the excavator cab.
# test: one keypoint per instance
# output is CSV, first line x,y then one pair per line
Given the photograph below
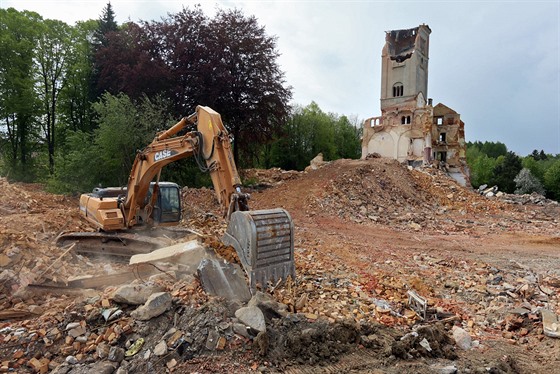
x,y
167,209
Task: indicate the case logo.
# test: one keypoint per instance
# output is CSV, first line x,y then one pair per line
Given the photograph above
x,y
161,155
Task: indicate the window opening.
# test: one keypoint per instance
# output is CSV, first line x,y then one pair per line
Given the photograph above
x,y
398,90
442,137
439,120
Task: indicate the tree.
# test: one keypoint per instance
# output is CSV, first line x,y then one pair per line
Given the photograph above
x,y
310,131
536,155
105,25
505,172
347,139
536,167
552,180
481,169
106,156
183,40
248,81
494,150
128,64
527,183
78,94
18,100
53,52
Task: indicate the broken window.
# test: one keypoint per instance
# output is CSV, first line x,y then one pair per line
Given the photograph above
x,y
442,156
439,120
405,120
442,137
398,89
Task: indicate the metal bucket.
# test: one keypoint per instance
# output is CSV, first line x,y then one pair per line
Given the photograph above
x,y
264,241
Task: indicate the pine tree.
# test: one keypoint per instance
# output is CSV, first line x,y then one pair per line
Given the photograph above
x,y
107,24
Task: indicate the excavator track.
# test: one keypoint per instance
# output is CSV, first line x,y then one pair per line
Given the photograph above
x,y
118,244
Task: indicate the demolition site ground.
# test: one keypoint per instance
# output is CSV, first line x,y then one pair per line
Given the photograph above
x,y
368,234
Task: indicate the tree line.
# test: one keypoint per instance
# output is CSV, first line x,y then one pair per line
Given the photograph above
x,y
491,163
76,102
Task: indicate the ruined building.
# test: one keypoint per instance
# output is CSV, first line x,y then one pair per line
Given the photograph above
x,y
410,129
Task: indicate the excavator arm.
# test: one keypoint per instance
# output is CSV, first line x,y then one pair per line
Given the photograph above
x,y
209,145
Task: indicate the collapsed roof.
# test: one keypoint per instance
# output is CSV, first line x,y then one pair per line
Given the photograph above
x,y
401,43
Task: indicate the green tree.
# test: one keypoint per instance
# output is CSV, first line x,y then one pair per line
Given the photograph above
x,y
106,156
105,25
310,131
494,150
552,180
505,171
54,50
537,168
78,94
347,139
18,100
78,168
482,170
119,135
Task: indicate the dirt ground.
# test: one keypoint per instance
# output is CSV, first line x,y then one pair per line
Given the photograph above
x,y
366,233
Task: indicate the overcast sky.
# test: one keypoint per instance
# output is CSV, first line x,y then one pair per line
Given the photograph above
x,y
496,63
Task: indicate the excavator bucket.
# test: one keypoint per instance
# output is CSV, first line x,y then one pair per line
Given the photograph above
x,y
264,241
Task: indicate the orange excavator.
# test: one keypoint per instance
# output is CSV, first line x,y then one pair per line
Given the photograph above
x,y
128,218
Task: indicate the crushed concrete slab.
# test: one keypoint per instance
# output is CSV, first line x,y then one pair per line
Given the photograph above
x,y
135,294
116,354
268,305
220,278
252,317
212,340
462,338
241,329
551,325
190,254
161,348
156,305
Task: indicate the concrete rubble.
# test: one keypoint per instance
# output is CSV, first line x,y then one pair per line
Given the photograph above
x,y
135,294
223,279
156,305
348,299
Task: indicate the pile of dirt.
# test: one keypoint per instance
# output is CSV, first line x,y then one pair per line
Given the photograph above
x,y
266,178
383,191
294,339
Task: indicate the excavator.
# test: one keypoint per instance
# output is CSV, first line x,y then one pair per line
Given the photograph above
x,y
128,219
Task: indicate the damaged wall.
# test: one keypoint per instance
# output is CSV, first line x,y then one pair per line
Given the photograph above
x,y
410,129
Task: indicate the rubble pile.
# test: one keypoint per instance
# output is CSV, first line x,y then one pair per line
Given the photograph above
x,y
524,199
266,178
368,233
383,191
